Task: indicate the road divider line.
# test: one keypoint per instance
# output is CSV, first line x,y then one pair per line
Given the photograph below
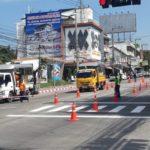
x,y
81,116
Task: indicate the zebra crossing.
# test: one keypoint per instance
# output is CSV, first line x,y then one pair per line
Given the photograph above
x,y
103,108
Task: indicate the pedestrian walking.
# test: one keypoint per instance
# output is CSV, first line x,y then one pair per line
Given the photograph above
x,y
23,93
117,87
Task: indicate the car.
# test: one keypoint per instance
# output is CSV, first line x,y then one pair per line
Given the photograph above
x,y
112,78
124,76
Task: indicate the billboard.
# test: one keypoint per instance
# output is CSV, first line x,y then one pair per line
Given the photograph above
x,y
43,34
119,23
89,43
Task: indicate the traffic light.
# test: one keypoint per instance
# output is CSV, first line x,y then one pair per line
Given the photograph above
x,y
136,2
117,3
104,3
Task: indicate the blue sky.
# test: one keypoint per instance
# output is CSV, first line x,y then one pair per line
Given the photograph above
x,y
12,10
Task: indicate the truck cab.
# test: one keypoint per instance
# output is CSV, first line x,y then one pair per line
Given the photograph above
x,y
90,79
9,89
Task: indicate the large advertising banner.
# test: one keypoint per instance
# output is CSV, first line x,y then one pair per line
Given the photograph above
x,y
43,34
89,44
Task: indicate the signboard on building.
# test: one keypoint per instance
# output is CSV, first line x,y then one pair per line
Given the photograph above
x,y
88,46
43,34
145,63
119,23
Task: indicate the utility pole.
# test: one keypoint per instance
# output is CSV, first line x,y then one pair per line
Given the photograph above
x,y
76,44
113,59
81,7
39,71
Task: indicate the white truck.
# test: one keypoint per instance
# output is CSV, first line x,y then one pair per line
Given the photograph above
x,y
9,89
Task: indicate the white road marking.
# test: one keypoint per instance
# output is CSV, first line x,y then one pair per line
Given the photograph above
x,y
138,109
78,108
59,108
99,108
42,108
117,109
81,116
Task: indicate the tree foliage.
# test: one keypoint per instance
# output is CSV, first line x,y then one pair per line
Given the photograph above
x,y
146,55
6,55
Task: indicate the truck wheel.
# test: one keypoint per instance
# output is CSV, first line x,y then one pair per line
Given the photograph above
x,y
10,99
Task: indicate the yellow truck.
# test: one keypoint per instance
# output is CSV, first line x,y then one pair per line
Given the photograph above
x,y
87,79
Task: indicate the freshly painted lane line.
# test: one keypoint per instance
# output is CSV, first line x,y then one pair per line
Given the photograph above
x,y
42,108
59,108
138,109
117,109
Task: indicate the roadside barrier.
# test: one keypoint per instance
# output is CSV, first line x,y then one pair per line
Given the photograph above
x,y
57,89
73,113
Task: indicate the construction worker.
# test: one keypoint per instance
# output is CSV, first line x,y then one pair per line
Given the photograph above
x,y
117,86
22,87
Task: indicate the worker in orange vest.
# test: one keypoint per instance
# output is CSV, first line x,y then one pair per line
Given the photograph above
x,y
22,87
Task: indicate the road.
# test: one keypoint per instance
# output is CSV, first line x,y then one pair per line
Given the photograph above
x,y
42,125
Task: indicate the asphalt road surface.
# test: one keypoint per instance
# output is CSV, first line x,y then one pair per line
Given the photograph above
x,y
40,124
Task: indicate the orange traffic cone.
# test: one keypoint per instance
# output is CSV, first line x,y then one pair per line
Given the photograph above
x,y
129,79
146,85
73,113
140,87
134,90
95,104
107,87
94,90
115,99
112,85
56,99
143,80
78,93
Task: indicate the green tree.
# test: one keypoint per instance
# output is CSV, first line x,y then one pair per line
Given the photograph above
x,y
6,55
